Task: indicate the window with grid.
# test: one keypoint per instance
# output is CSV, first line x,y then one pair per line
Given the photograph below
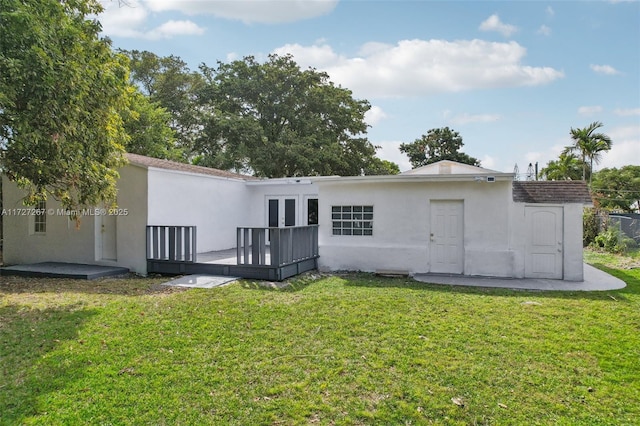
x,y
40,218
352,220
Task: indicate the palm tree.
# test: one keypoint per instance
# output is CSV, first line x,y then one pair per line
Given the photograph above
x,y
590,145
567,167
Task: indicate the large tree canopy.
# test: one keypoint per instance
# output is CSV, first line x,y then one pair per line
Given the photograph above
x,y
618,189
436,145
275,119
170,84
61,88
147,125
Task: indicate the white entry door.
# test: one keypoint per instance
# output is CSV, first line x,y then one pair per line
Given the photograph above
x,y
281,211
107,237
543,255
447,239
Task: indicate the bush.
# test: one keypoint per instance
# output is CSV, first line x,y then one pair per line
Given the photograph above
x,y
590,225
613,241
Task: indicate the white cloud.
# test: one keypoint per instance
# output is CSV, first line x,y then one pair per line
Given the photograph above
x,y
122,21
422,67
625,112
550,11
544,30
488,162
475,118
129,21
589,110
249,11
625,147
390,151
174,28
374,115
604,69
493,23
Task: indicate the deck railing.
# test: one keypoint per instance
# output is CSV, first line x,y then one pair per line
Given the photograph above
x,y
173,243
284,246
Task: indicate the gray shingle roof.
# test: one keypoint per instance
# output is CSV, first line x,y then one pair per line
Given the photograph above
x,y
141,160
554,192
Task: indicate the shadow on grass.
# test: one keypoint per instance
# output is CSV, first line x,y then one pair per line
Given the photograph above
x,y
292,285
28,372
130,285
363,279
630,276
372,280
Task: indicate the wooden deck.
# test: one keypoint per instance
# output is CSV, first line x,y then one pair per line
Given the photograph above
x,y
291,251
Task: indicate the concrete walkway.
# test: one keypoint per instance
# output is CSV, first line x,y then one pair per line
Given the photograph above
x,y
200,281
594,280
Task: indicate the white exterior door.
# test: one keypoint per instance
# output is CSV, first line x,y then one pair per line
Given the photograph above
x,y
107,237
543,256
281,211
447,237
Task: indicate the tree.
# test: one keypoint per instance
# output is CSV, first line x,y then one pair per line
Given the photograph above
x,y
61,88
436,145
147,125
381,167
618,189
589,144
567,167
275,119
169,83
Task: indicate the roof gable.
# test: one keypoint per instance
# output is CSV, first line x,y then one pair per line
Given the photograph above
x,y
448,167
554,192
158,163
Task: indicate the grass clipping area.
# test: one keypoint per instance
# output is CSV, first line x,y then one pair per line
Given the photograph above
x,y
344,349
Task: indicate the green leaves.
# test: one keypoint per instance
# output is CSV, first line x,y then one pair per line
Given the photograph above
x,y
437,145
62,88
589,144
618,189
275,119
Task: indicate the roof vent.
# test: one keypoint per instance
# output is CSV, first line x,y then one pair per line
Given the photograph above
x,y
491,178
444,169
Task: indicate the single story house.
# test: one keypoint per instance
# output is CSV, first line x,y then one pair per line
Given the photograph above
x,y
442,218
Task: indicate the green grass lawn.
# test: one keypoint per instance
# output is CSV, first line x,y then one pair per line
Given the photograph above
x,y
344,349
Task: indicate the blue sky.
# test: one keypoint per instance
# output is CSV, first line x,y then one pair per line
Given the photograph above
x,y
512,77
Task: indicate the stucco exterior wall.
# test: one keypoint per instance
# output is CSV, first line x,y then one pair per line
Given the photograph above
x,y
217,206
401,228
299,189
572,229
573,262
130,228
63,241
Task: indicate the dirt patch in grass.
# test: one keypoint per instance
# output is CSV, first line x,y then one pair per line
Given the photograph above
x,y
122,285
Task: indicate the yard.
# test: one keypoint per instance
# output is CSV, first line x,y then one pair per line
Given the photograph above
x,y
342,349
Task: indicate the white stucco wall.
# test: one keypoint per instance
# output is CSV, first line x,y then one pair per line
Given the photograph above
x,y
572,228
63,241
260,192
131,228
401,226
217,206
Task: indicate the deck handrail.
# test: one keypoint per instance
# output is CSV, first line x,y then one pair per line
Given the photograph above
x,y
283,245
171,243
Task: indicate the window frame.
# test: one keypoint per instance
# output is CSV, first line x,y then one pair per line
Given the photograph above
x,y
352,220
39,222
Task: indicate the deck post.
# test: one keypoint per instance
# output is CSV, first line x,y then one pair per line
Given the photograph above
x,y
247,245
239,246
263,246
275,246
